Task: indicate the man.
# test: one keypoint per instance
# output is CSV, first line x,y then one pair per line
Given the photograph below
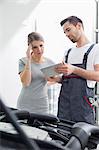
x,y
80,73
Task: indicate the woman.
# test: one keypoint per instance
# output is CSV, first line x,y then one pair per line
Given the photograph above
x,y
33,96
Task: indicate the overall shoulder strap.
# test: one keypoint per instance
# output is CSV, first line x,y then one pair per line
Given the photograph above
x,y
66,57
86,54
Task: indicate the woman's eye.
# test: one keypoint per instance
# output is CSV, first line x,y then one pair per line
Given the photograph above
x,y
41,45
34,47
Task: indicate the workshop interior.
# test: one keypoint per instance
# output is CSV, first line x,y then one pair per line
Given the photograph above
x,y
20,129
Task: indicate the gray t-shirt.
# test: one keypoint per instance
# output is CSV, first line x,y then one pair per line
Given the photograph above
x,y
34,98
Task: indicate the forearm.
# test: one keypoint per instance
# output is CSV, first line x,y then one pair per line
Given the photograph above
x,y
53,80
87,74
26,74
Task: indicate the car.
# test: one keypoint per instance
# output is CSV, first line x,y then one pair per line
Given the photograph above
x,y
22,130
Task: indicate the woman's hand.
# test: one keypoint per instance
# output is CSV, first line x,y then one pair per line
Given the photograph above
x,y
53,80
28,52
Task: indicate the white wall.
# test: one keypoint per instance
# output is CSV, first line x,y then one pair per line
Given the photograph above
x,y
18,19
13,43
51,12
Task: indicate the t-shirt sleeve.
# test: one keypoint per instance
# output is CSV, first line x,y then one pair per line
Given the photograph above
x,y
97,55
21,66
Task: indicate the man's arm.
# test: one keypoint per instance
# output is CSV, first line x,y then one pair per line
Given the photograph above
x,y
88,74
68,69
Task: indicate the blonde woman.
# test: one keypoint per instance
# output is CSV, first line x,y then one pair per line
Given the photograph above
x,y
33,96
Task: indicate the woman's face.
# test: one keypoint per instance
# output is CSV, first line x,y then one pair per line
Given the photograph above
x,y
37,48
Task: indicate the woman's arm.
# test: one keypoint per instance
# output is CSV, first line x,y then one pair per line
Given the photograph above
x,y
53,80
25,75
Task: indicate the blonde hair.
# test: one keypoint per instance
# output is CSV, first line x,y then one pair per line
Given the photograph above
x,y
34,36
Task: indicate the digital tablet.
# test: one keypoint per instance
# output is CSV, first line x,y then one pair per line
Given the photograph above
x,y
50,70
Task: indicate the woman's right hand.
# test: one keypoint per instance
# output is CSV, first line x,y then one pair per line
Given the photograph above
x,y
28,52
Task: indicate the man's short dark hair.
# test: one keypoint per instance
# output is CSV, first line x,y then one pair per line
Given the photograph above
x,y
72,19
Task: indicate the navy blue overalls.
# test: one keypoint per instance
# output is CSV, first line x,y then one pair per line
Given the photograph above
x,y
73,103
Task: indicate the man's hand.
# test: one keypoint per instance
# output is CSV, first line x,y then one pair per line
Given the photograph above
x,y
65,68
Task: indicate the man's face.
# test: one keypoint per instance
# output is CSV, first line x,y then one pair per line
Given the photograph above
x,y
72,32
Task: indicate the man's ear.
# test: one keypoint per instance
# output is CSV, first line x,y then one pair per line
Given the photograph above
x,y
79,25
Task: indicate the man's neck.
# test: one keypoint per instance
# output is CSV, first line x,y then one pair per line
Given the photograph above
x,y
83,41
